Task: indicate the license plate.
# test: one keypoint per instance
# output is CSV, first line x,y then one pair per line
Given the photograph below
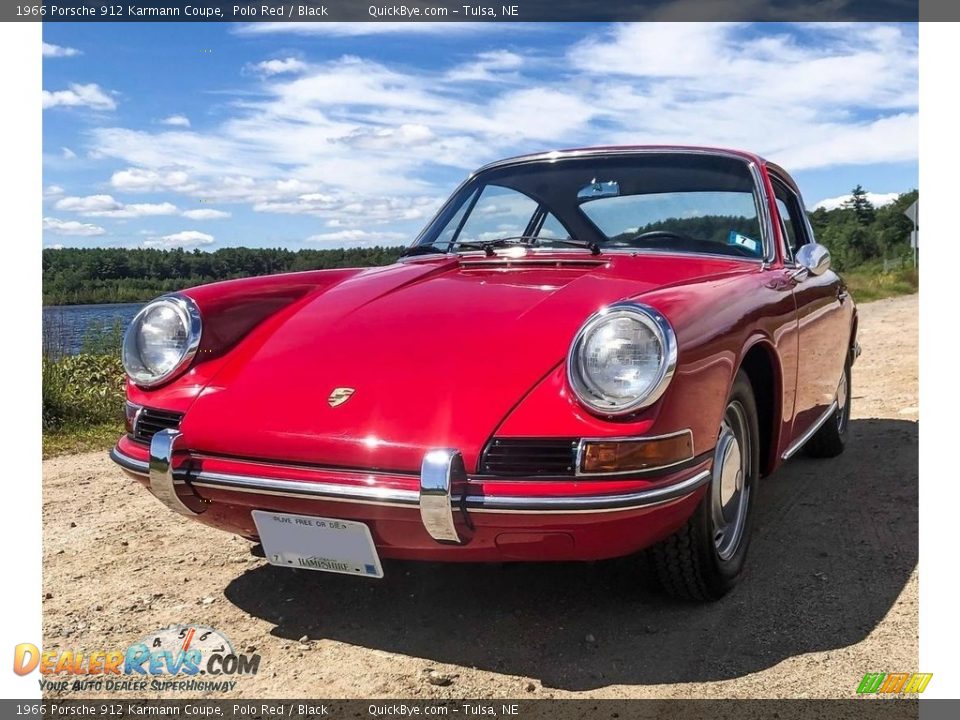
x,y
315,543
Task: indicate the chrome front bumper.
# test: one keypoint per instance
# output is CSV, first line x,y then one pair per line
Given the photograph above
x,y
441,498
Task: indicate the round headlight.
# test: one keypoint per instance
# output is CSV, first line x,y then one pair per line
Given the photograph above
x,y
622,359
161,340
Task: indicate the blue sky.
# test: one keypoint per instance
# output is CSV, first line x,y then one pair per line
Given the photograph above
x,y
326,135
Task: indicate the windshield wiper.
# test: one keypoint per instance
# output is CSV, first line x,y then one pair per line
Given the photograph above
x,y
488,246
428,249
528,240
593,247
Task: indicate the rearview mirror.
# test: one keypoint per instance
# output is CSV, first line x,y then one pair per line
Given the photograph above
x,y
596,189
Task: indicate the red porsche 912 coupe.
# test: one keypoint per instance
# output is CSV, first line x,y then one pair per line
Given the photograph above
x,y
586,354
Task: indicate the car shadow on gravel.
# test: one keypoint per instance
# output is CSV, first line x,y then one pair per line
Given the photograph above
x,y
835,542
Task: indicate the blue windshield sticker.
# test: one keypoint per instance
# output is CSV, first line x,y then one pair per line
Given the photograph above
x,y
735,238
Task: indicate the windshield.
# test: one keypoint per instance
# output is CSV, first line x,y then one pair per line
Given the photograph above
x,y
670,202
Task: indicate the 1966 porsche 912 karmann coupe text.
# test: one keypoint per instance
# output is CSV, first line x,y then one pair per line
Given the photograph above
x,y
584,355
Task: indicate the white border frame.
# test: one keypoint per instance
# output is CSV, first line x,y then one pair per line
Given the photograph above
x,y
939,395
21,187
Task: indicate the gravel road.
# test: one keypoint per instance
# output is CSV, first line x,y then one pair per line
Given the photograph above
x,y
831,591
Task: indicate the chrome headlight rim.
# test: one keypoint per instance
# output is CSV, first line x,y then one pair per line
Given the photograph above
x,y
189,315
664,334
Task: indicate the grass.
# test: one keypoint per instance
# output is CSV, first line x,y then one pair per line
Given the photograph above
x,y
83,400
872,283
72,439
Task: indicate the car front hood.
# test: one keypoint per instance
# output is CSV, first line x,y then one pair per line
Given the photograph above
x,y
428,354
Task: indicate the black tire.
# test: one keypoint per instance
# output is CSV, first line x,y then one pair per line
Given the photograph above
x,y
830,440
690,564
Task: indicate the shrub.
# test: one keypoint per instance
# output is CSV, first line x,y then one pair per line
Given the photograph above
x,y
82,390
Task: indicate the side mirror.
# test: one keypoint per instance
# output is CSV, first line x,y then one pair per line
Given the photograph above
x,y
813,259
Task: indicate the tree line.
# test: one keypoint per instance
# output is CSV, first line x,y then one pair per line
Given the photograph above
x,y
856,234
74,276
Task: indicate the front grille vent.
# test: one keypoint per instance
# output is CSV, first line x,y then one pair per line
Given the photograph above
x,y
151,421
533,457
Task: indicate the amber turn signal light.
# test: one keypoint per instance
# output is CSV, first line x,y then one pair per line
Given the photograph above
x,y
130,416
614,456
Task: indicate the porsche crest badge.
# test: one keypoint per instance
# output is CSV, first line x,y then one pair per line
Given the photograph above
x,y
339,396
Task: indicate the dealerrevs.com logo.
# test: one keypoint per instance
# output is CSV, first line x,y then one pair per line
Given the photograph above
x,y
199,658
894,683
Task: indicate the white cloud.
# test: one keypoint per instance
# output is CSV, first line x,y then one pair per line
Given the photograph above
x,y
876,199
107,206
385,138
494,65
354,140
887,139
140,180
183,239
50,50
280,67
90,203
359,238
91,96
67,153
71,227
347,210
205,214
53,191
807,97
176,121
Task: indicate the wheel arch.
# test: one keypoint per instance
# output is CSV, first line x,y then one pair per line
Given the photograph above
x,y
761,364
854,346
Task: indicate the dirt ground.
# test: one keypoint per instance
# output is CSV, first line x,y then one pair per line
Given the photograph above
x,y
831,591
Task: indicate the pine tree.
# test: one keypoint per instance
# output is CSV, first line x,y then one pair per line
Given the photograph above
x,y
861,206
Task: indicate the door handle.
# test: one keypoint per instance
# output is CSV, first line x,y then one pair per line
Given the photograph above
x,y
842,294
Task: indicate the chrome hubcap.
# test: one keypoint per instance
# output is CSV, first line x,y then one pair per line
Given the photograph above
x,y
842,393
729,490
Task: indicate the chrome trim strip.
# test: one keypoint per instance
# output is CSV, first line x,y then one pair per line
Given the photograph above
x,y
583,441
802,440
590,503
507,261
553,155
331,492
297,488
763,200
441,474
162,446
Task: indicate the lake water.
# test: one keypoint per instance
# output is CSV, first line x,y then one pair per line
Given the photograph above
x,y
64,326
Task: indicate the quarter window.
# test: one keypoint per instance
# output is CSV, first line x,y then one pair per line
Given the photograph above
x,y
791,215
552,229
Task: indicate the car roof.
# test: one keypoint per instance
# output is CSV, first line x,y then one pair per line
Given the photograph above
x,y
625,150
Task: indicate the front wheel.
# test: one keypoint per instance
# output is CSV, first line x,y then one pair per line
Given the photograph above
x,y
705,558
